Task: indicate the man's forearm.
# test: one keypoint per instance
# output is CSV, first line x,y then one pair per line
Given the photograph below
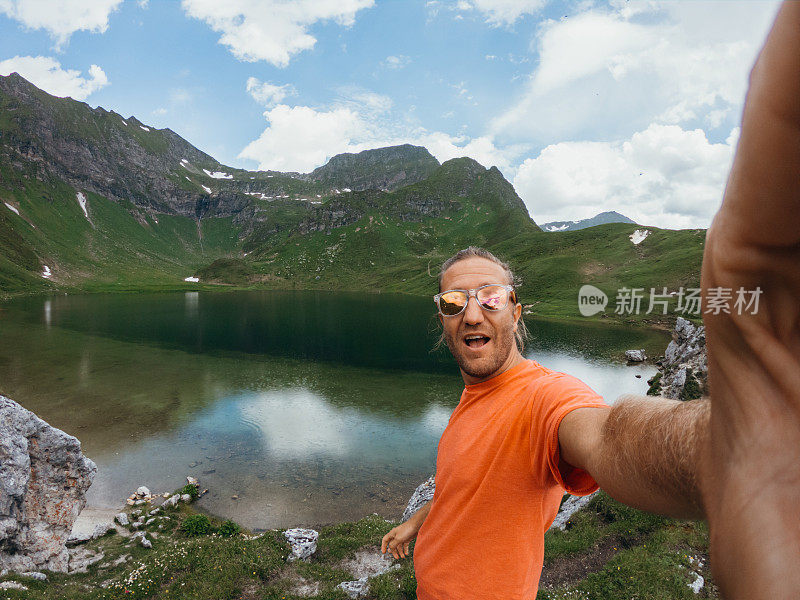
x,y
650,451
418,517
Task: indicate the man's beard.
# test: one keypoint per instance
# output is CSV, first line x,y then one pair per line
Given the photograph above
x,y
480,369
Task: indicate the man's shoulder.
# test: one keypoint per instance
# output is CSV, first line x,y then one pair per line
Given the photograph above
x,y
547,382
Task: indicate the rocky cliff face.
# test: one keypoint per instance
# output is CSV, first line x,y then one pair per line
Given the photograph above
x,y
683,372
43,482
381,169
53,139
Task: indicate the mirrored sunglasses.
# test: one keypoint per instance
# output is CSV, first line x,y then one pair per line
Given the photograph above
x,y
493,296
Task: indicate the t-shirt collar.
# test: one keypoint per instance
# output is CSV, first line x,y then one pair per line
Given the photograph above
x,y
499,379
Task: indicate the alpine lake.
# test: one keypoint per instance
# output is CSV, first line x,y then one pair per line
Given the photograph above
x,y
292,408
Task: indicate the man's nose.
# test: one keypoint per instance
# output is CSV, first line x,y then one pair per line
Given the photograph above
x,y
473,314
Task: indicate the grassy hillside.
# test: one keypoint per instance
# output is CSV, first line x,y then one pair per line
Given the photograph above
x,y
115,247
607,552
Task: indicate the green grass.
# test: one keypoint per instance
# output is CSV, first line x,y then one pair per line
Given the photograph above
x,y
633,555
648,557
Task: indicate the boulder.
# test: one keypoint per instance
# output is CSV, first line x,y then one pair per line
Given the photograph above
x,y
43,482
303,541
122,519
422,495
683,372
142,491
635,355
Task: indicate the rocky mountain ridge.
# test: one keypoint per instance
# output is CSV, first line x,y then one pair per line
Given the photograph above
x,y
602,218
158,172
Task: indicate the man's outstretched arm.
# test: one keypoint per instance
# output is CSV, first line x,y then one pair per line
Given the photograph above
x,y
751,483
643,451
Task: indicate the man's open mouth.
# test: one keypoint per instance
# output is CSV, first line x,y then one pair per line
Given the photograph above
x,y
476,340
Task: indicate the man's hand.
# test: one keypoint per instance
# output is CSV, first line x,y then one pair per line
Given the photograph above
x,y
397,541
751,469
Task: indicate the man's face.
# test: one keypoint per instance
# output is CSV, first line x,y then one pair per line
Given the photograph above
x,y
479,360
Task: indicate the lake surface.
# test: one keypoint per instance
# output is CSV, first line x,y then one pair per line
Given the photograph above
x,y
307,407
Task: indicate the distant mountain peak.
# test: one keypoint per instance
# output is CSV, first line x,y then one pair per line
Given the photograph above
x,y
602,218
386,168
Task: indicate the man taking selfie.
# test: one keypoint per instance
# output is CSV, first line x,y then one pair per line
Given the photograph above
x,y
522,434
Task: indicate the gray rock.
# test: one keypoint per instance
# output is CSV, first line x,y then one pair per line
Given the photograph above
x,y
150,520
422,495
80,559
368,562
155,511
35,575
635,355
186,498
568,508
303,541
145,542
172,501
355,589
13,585
122,519
79,538
120,560
685,364
142,491
102,529
43,482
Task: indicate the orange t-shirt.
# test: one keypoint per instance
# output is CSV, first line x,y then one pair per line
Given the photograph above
x,y
498,486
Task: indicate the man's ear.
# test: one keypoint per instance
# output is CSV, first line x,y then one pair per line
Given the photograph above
x,y
517,314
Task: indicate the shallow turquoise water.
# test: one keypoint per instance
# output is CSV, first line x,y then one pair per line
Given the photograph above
x,y
309,407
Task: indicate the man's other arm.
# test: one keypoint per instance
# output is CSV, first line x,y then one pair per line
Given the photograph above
x,y
642,451
397,541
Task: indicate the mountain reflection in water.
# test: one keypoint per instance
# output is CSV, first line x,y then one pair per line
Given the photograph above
x,y
309,407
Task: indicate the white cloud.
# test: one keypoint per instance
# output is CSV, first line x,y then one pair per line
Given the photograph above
x,y
46,73
301,138
605,73
396,62
61,18
271,30
664,176
160,111
502,12
267,93
444,147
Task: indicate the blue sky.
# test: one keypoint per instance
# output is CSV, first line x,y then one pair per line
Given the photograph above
x,y
585,106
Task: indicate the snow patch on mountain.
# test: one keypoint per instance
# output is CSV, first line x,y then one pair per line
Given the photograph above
x,y
217,174
11,207
638,236
192,279
206,188
143,127
46,273
82,201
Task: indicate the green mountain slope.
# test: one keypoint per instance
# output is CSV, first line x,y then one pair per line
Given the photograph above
x,y
157,210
